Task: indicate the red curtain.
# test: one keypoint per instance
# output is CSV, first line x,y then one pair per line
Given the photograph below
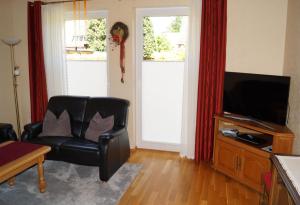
x,y
37,77
211,74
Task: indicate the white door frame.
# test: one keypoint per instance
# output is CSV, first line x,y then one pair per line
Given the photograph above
x,y
140,14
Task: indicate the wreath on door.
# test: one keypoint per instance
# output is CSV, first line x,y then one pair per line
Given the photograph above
x,y
119,34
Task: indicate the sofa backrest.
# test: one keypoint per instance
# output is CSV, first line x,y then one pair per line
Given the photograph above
x,y
74,105
106,106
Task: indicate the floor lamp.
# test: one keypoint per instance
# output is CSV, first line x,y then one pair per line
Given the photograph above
x,y
11,42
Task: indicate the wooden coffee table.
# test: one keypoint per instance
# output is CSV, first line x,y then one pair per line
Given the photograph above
x,y
9,170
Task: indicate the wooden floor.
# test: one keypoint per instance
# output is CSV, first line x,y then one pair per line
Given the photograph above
x,y
167,179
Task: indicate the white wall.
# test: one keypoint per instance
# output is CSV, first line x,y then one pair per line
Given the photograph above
x,y
19,14
256,36
7,108
292,68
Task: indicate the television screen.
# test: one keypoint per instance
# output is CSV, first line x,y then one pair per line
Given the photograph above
x,y
262,97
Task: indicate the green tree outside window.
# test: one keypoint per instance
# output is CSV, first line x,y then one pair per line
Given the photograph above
x,y
162,44
149,39
176,25
96,34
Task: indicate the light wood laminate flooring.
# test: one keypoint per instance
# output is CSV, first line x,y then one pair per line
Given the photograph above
x,y
168,179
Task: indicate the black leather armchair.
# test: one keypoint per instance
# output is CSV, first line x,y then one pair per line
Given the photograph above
x,y
109,153
7,132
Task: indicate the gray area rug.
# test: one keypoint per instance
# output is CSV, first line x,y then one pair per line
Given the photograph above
x,y
68,184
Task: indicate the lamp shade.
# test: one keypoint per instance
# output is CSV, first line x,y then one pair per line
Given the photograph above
x,y
11,41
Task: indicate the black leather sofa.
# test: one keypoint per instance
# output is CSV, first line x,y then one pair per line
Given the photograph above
x,y
109,153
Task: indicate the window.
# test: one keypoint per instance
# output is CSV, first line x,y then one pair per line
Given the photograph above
x,y
86,46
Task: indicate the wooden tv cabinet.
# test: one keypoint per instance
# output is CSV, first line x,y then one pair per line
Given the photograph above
x,y
243,161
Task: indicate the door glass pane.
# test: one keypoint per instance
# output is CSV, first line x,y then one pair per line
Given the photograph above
x,y
162,78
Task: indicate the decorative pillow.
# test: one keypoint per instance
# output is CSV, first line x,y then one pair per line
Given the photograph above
x,y
98,126
53,126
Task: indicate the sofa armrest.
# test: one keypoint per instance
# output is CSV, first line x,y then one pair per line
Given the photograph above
x,y
114,152
31,131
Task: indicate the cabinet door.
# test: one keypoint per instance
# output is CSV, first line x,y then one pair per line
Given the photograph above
x,y
225,158
251,168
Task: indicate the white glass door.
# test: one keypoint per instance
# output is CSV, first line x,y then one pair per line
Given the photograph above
x,y
161,49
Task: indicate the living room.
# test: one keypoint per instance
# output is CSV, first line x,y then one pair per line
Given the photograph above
x,y
261,38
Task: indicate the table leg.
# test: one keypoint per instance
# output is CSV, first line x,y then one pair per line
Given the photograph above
x,y
42,182
273,196
11,181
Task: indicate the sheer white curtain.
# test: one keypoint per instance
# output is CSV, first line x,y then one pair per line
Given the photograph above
x,y
191,82
54,48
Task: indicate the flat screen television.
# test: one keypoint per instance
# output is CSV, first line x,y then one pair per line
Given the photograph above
x,y
257,97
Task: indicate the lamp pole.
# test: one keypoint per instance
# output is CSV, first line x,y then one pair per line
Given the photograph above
x,y
11,42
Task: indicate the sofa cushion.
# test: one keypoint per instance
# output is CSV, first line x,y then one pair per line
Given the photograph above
x,y
53,126
80,144
80,151
74,105
98,126
53,141
77,156
106,106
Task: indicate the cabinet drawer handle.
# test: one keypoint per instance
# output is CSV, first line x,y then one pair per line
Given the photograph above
x,y
236,163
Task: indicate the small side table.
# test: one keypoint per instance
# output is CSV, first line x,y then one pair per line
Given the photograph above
x,y
285,180
7,132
